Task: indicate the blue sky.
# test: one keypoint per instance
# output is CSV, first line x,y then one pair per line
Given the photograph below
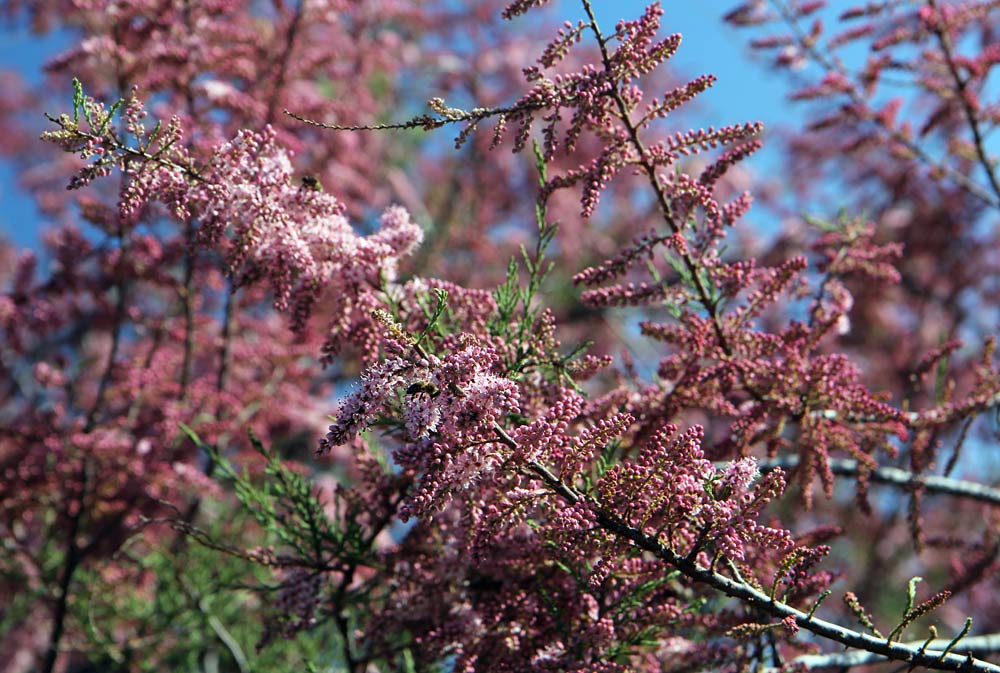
x,y
746,91
25,53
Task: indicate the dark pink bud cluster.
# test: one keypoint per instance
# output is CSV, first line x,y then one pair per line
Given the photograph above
x,y
642,249
853,250
598,94
294,607
520,7
672,490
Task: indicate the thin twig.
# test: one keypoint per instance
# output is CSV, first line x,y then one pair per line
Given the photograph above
x,y
279,83
187,307
978,645
962,88
932,483
428,122
809,46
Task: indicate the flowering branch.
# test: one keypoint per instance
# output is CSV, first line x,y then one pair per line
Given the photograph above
x,y
839,81
486,497
879,648
938,25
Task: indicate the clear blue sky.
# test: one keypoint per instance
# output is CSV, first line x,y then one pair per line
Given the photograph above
x,y
745,90
25,53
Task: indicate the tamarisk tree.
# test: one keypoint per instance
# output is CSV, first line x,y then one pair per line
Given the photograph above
x,y
294,385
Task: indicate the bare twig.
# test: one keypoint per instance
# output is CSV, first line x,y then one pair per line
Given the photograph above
x,y
932,483
977,645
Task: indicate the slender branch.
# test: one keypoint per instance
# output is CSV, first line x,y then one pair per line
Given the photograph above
x,y
74,556
343,626
932,483
809,47
187,307
661,197
427,122
962,90
279,82
116,331
62,606
978,645
227,337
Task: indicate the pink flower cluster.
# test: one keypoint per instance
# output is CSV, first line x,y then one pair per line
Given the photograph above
x,y
265,222
448,406
672,490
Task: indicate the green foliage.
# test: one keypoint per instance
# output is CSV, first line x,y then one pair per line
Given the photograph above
x,y
519,317
98,126
193,605
302,531
913,611
433,315
511,294
289,511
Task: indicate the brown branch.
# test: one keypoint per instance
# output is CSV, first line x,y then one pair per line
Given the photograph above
x,y
279,82
74,556
227,336
187,307
116,332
